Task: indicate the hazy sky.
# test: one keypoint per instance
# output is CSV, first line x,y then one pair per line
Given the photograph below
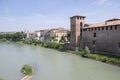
x,y
17,15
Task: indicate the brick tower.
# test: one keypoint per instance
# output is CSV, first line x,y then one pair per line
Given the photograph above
x,y
76,22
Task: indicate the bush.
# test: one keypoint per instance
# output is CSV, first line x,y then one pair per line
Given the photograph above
x,y
27,70
104,58
1,79
85,52
53,45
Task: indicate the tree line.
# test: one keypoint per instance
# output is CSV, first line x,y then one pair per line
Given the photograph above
x,y
13,36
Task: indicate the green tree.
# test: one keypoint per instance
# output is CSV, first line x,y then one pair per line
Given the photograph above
x,y
17,36
27,70
86,51
63,39
68,36
1,79
1,36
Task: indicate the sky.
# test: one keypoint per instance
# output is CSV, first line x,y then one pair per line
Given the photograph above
x,y
20,15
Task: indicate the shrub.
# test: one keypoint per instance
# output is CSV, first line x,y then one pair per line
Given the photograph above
x,y
27,70
60,47
85,52
1,79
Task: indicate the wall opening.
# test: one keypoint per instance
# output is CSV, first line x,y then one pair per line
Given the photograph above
x,y
102,28
94,34
94,46
94,42
81,26
115,26
106,27
119,45
111,27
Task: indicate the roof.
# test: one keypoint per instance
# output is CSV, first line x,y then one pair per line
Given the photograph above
x,y
31,33
113,19
77,16
110,22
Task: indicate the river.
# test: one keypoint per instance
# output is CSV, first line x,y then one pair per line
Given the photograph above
x,y
51,64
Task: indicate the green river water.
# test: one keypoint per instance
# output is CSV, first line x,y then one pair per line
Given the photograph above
x,y
51,64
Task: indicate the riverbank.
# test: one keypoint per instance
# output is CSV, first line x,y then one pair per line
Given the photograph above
x,y
27,78
99,57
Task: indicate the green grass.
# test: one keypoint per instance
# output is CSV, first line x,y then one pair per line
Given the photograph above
x,y
27,69
99,57
105,58
1,79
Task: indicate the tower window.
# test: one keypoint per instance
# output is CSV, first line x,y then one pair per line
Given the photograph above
x,y
94,34
77,17
81,24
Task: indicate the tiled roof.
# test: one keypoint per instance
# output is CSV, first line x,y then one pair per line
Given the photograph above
x,y
110,22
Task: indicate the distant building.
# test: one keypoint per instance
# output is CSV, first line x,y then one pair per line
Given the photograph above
x,y
100,38
57,33
31,35
41,34
48,34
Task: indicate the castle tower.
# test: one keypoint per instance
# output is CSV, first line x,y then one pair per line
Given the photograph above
x,y
76,22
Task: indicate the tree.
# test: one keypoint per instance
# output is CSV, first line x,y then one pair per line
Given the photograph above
x,y
63,39
18,36
86,51
27,70
1,36
1,79
68,35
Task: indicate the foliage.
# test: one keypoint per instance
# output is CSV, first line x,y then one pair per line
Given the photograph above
x,y
105,58
1,79
54,45
99,57
68,36
27,70
63,39
14,36
86,50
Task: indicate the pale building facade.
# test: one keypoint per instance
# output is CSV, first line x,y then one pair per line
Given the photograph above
x,y
47,34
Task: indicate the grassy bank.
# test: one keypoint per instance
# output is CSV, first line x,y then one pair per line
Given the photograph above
x,y
99,57
44,44
27,70
1,79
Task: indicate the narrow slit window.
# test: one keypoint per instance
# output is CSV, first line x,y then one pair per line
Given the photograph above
x,y
106,27
115,26
94,34
119,45
111,27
